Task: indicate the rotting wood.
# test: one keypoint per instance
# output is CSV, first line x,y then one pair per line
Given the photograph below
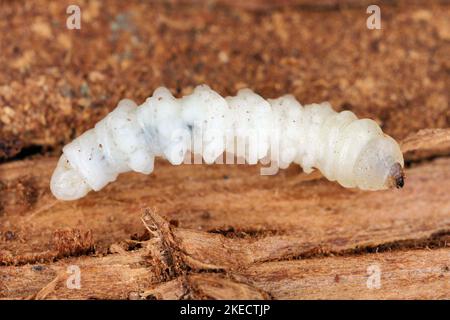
x,y
416,274
293,213
426,143
310,214
225,231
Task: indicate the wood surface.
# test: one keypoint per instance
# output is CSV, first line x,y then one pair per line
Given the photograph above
x,y
224,231
185,230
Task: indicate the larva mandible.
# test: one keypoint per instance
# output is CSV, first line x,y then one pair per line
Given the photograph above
x,y
354,152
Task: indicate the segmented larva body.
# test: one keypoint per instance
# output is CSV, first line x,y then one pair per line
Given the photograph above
x,y
354,152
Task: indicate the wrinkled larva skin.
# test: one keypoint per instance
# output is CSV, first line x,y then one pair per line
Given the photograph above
x,y
354,152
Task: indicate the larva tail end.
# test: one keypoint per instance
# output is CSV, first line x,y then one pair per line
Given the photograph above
x,y
66,183
396,176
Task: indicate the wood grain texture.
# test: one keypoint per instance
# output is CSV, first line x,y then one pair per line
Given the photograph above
x,y
281,208
224,232
289,236
168,266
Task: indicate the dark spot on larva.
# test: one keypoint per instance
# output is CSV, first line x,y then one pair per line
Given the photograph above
x,y
128,119
159,98
100,145
226,177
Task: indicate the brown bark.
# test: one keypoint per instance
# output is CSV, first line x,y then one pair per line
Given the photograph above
x,y
217,274
241,236
224,232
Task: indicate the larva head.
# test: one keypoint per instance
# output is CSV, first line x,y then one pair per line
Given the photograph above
x,y
66,183
379,165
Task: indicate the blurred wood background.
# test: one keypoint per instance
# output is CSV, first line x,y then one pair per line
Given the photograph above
x,y
224,231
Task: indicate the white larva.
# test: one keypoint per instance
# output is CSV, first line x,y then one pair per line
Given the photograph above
x,y
354,152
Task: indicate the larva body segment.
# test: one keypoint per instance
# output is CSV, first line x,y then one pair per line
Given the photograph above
x,y
354,152
287,113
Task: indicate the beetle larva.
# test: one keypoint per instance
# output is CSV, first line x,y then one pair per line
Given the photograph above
x,y
354,152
